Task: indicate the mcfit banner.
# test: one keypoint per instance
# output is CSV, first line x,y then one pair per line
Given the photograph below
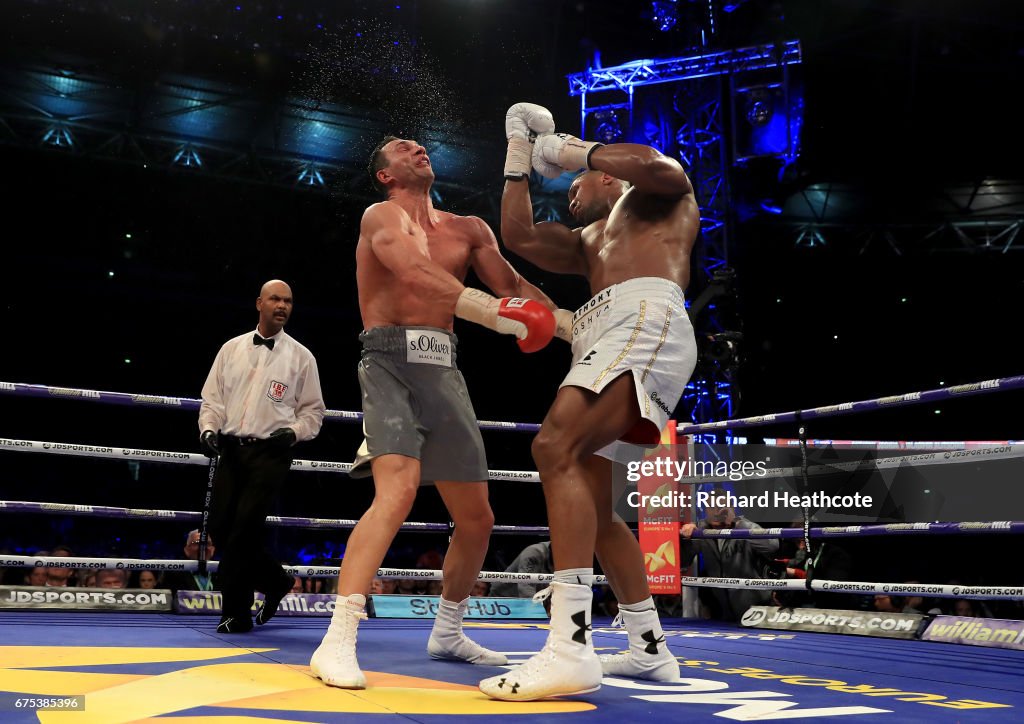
x,y
659,528
825,620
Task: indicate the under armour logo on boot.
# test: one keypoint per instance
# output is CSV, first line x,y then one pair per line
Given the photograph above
x,y
580,635
652,642
515,686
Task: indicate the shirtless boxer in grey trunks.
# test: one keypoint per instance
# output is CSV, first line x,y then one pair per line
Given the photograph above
x,y
633,353
418,420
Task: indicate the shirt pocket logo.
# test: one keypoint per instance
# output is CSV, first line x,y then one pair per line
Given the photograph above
x,y
276,390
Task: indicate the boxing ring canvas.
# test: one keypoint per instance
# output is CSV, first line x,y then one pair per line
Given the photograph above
x,y
160,667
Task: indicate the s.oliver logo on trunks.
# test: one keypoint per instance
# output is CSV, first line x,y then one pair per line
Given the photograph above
x,y
424,346
276,390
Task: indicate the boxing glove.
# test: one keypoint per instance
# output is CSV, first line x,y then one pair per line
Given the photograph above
x,y
528,120
523,122
530,321
562,152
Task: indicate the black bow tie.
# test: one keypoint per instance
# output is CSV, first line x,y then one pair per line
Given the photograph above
x,y
258,340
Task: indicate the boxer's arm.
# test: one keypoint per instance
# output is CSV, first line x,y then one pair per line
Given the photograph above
x,y
398,252
647,170
550,245
495,271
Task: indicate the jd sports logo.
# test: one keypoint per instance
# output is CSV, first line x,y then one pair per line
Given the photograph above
x,y
652,642
580,619
752,617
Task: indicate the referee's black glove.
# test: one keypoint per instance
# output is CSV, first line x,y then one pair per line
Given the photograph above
x,y
209,443
283,437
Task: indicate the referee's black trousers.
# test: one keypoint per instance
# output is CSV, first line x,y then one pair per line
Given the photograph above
x,y
249,477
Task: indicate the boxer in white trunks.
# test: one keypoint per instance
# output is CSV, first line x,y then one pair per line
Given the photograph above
x,y
633,353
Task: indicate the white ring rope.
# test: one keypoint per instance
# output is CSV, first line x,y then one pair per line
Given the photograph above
x,y
139,454
139,564
903,589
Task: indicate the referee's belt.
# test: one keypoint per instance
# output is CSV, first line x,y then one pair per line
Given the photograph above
x,y
243,441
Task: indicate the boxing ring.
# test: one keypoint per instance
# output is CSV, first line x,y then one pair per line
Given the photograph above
x,y
121,667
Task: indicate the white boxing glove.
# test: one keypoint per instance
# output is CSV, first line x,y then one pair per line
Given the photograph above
x,y
527,120
561,152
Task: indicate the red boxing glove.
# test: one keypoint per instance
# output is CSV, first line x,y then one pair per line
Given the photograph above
x,y
538,320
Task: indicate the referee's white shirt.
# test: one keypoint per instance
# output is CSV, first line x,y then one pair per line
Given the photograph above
x,y
253,390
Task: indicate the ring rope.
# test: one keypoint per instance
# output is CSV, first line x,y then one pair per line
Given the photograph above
x,y
138,564
190,403
878,403
848,408
847,531
184,458
925,589
107,511
933,590
529,476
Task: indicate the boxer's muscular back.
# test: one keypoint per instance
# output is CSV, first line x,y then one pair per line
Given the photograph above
x,y
384,299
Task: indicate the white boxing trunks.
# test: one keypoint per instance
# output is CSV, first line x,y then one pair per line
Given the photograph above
x,y
639,326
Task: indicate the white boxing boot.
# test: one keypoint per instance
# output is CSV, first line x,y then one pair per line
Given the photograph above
x,y
334,661
648,656
567,665
447,640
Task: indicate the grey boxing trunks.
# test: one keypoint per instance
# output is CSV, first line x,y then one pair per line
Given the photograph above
x,y
415,403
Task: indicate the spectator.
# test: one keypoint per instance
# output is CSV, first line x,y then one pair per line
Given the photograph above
x,y
61,576
434,561
965,607
36,576
297,585
534,558
146,579
729,558
884,603
480,589
191,580
111,578
379,586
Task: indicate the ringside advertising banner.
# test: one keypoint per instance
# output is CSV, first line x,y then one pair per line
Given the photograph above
x,y
294,604
996,632
383,606
825,620
392,606
84,599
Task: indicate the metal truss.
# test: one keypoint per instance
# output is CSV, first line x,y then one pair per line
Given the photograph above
x,y
982,217
645,72
193,125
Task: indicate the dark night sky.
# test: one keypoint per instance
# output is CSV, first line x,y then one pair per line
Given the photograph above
x,y
898,95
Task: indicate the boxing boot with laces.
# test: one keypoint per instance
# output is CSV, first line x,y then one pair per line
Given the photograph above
x,y
648,656
334,661
447,640
567,664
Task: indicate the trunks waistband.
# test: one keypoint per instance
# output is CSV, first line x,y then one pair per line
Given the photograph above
x,y
398,341
640,286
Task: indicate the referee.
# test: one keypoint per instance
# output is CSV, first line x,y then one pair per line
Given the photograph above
x,y
261,397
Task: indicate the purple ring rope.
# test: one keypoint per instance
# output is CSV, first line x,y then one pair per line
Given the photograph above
x,y
848,531
190,403
106,511
878,403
